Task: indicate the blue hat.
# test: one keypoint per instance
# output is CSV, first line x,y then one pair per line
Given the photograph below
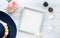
x,y
10,23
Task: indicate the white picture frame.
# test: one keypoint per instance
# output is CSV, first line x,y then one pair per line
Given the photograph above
x,y
31,20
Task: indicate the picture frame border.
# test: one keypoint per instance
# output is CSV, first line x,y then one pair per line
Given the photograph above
x,y
21,19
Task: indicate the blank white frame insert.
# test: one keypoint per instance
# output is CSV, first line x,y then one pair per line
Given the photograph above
x,y
31,20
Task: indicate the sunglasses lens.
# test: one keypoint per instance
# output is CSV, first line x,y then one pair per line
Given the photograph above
x,y
50,9
45,4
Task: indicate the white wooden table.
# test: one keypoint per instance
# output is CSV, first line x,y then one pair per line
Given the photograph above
x,y
37,4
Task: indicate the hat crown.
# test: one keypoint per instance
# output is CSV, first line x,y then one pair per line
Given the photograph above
x,y
1,30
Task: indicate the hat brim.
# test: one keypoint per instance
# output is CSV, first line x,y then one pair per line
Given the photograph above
x,y
12,27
